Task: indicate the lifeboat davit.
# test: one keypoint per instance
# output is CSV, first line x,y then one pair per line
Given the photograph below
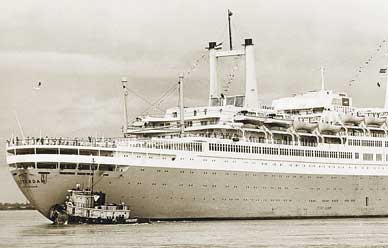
x,y
329,127
304,125
351,119
371,120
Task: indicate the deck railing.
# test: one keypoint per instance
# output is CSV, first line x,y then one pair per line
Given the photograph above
x,y
96,142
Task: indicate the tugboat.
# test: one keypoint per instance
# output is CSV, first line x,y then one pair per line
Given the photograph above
x,y
86,206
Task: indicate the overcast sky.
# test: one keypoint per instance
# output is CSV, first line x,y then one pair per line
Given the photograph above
x,y
79,50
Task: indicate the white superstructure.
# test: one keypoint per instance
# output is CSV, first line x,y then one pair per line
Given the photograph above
x,y
308,155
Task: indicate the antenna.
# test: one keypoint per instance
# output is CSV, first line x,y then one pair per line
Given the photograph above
x,y
322,78
181,114
230,30
124,84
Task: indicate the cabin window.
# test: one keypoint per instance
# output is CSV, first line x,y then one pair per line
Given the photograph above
x,y
24,165
84,166
107,167
367,156
67,166
68,151
88,152
239,101
46,165
11,152
46,151
106,153
24,151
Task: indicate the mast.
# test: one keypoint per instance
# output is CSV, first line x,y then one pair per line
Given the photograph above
x,y
322,78
124,84
230,30
181,111
386,93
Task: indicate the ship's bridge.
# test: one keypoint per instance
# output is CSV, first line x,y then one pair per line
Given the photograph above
x,y
316,100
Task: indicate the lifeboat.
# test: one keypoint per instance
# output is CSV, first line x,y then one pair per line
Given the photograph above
x,y
304,125
254,120
277,122
251,126
351,119
329,127
371,120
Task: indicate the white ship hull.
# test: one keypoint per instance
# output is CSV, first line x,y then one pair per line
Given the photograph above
x,y
199,187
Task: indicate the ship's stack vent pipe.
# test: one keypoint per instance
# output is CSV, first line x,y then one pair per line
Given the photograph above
x,y
251,100
214,89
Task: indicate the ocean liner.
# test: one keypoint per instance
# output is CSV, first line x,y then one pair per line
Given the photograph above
x,y
308,155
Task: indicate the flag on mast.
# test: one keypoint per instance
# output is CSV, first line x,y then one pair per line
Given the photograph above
x,y
230,12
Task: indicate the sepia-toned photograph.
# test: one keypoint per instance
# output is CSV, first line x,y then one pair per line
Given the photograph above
x,y
194,123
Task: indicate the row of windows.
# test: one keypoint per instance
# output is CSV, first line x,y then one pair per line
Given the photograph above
x,y
279,151
275,175
64,166
271,188
260,200
373,143
62,151
197,147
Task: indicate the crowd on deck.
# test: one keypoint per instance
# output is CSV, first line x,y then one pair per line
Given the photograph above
x,y
89,141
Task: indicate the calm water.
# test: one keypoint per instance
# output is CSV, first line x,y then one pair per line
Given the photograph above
x,y
29,229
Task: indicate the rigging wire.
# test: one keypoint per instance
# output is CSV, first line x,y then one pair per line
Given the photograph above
x,y
142,98
162,97
232,75
381,46
187,74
